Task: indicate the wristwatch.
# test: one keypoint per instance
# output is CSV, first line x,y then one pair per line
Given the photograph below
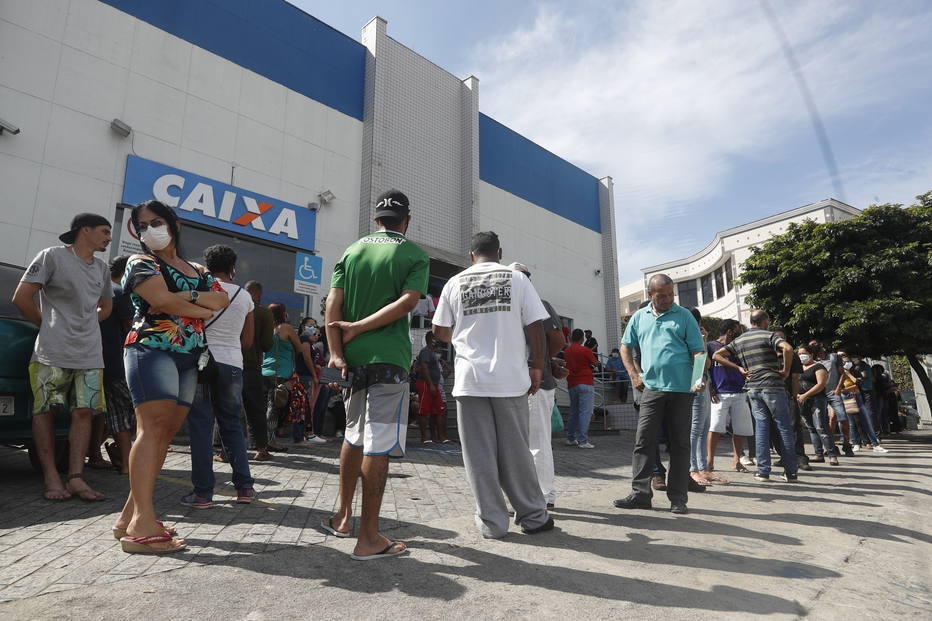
x,y
194,296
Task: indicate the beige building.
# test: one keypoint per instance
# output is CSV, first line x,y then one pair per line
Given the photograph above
x,y
708,280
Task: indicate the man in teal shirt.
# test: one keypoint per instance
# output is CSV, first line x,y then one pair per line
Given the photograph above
x,y
374,286
668,338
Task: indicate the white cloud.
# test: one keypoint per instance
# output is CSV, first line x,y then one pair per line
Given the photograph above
x,y
666,96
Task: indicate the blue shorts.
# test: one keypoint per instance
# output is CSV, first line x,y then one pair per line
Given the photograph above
x,y
159,375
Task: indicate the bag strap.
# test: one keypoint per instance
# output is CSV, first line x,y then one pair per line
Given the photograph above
x,y
224,309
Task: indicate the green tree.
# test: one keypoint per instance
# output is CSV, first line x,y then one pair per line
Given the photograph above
x,y
862,283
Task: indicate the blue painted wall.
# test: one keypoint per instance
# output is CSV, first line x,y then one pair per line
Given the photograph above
x,y
513,163
269,37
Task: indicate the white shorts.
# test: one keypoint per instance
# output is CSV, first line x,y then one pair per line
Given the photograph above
x,y
732,407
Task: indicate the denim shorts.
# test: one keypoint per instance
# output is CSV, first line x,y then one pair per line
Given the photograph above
x,y
159,375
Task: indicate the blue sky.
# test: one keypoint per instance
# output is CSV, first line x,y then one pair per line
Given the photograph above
x,y
690,105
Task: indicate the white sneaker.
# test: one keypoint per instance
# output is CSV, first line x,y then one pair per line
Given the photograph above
x,y
747,461
855,447
315,439
586,445
880,449
570,442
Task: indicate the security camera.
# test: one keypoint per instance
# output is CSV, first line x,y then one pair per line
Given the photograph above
x,y
7,126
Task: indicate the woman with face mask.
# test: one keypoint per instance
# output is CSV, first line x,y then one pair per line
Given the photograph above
x,y
171,299
813,406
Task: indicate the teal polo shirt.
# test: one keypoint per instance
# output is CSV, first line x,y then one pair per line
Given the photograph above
x,y
667,343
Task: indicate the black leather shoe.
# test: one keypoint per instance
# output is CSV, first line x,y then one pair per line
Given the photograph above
x,y
633,501
695,487
548,525
679,508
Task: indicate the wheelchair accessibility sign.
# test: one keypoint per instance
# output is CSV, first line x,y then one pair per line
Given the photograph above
x,y
307,273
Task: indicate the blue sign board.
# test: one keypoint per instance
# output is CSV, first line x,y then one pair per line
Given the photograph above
x,y
307,273
217,204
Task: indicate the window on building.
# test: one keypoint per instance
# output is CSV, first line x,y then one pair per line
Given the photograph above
x,y
729,275
707,294
719,283
686,291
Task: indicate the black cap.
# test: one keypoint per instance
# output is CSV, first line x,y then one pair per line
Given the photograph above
x,y
391,204
80,221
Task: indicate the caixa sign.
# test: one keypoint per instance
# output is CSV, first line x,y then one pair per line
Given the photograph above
x,y
219,205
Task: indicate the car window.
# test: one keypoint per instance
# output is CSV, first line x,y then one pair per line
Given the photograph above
x,y
9,278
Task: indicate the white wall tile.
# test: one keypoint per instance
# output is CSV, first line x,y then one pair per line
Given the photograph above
x,y
259,147
90,85
208,128
29,61
31,115
306,119
303,163
14,245
100,30
63,194
19,180
262,100
161,56
344,134
153,108
46,18
215,79
156,149
81,144
255,181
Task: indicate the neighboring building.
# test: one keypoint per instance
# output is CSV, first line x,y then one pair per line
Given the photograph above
x,y
708,280
272,132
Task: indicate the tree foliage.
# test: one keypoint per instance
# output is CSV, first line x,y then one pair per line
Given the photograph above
x,y
863,283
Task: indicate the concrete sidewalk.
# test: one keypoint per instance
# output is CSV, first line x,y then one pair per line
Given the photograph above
x,y
846,542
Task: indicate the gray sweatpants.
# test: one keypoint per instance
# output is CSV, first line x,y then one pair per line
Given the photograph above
x,y
494,436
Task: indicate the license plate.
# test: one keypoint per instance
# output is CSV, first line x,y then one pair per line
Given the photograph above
x,y
7,406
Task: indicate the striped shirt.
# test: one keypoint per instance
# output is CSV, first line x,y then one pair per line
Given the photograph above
x,y
757,350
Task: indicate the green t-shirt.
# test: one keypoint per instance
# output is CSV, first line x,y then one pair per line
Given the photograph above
x,y
372,273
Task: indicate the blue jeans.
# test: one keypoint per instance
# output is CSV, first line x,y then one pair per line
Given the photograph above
x,y
815,414
582,400
227,406
865,424
699,431
771,404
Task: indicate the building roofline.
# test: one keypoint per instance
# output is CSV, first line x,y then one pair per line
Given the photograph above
x,y
783,215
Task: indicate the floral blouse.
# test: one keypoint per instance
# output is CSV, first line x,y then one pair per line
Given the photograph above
x,y
160,330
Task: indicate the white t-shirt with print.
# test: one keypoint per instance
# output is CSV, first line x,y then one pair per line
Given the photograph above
x,y
488,305
223,334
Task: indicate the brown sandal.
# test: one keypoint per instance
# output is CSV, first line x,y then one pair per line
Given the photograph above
x,y
739,467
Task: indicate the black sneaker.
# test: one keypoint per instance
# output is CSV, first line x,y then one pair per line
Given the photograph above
x,y
846,449
762,478
818,459
790,478
633,501
679,508
804,465
548,525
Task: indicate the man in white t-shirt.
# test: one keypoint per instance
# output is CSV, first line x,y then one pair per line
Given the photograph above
x,y
228,333
483,311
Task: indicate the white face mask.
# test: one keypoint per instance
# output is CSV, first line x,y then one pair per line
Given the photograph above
x,y
805,358
848,365
156,237
614,354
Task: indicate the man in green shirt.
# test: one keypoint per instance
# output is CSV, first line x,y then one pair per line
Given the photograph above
x,y
376,283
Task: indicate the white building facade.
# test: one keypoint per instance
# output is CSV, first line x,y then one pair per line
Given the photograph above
x,y
271,132
708,280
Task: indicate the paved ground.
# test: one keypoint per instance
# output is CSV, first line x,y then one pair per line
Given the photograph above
x,y
850,542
